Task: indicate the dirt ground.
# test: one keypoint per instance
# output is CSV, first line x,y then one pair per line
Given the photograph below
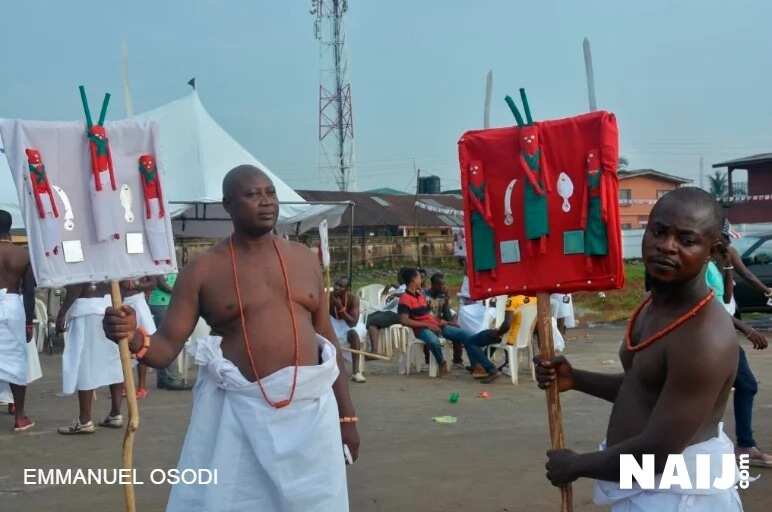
x,y
491,460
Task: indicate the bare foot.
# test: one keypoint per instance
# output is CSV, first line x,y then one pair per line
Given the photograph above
x,y
444,369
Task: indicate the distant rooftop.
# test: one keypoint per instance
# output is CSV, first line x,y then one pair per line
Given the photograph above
x,y
625,174
387,191
761,158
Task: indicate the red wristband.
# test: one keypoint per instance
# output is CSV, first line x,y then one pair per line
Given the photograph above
x,y
139,354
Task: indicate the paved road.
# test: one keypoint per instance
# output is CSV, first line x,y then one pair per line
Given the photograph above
x,y
491,460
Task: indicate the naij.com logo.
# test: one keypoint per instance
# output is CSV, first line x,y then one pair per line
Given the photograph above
x,y
701,472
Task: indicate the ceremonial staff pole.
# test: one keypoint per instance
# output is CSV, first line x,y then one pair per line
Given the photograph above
x,y
554,413
123,346
131,399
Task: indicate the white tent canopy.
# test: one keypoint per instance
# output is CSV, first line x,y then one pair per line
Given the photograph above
x,y
195,154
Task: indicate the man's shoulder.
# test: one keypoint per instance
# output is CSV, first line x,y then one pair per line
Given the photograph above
x,y
16,255
708,336
297,249
205,260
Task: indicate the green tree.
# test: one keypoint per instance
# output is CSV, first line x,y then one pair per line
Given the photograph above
x,y
718,185
623,164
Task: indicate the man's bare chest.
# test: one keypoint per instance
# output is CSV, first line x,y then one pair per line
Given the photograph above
x,y
645,369
258,290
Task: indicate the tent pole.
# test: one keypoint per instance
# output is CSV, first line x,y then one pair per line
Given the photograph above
x,y
351,244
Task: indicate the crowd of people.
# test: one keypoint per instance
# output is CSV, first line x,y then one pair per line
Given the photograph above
x,y
423,304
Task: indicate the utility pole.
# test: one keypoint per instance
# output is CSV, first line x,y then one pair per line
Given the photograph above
x,y
590,75
336,120
415,212
129,105
487,106
702,174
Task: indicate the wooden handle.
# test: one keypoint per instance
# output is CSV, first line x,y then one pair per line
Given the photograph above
x,y
131,398
554,414
327,278
368,354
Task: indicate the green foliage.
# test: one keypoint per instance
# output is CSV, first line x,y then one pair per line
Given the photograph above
x,y
718,185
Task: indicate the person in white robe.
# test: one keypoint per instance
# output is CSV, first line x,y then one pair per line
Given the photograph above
x,y
90,360
277,424
257,455
17,312
14,354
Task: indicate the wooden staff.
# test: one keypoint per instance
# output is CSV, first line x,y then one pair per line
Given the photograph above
x,y
327,279
554,414
368,354
131,398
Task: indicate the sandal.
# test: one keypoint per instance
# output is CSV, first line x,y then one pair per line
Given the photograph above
x,y
112,421
78,428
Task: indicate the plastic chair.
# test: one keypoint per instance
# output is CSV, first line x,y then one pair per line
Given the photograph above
x,y
523,341
40,325
501,311
370,297
410,356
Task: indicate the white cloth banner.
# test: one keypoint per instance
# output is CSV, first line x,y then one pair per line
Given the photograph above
x,y
324,242
267,460
64,152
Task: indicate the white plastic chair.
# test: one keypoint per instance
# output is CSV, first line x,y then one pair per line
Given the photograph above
x,y
405,341
370,298
40,325
523,342
501,310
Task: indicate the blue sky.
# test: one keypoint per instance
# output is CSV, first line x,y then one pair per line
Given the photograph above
x,y
685,78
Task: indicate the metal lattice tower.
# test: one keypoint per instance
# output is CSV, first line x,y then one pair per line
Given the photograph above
x,y
336,121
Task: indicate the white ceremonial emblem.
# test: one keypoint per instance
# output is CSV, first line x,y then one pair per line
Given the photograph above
x,y
69,217
565,190
126,203
508,219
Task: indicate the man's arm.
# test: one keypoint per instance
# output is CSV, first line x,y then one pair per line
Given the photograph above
x,y
509,316
72,292
322,325
742,271
600,385
28,292
559,372
351,314
696,376
178,323
755,337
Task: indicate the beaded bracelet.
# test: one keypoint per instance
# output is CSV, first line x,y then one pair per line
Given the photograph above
x,y
139,354
349,419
